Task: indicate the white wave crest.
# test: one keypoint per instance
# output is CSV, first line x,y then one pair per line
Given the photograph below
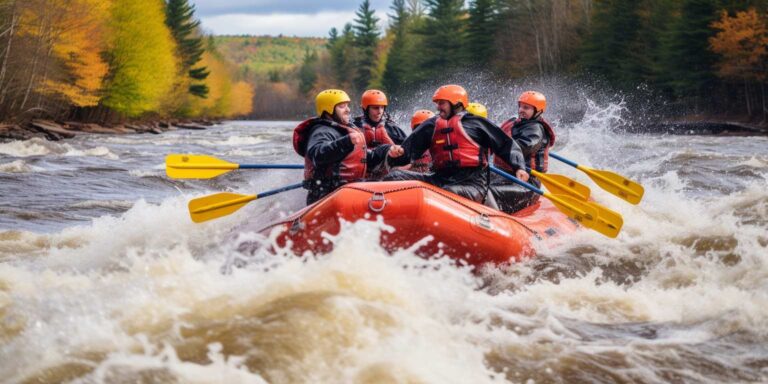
x,y
18,166
26,148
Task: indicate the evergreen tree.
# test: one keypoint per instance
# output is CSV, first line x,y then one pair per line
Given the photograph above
x,y
366,41
689,62
333,36
342,51
443,37
397,62
609,48
308,72
481,29
179,17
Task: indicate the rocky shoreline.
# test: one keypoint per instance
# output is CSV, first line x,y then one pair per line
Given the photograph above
x,y
56,130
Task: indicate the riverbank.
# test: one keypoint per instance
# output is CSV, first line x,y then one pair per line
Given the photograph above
x,y
58,130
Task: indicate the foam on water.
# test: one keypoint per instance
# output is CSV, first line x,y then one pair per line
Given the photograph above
x,y
18,166
681,295
41,147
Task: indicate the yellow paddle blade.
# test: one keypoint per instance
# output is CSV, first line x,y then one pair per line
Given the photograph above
x,y
562,185
218,205
179,166
616,184
609,222
576,209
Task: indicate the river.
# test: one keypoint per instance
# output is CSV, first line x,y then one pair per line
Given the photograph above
x,y
104,278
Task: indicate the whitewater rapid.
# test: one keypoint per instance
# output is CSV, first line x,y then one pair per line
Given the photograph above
x,y
103,277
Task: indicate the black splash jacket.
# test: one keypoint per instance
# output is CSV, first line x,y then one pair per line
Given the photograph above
x,y
480,130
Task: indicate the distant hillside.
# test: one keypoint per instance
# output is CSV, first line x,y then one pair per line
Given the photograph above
x,y
257,56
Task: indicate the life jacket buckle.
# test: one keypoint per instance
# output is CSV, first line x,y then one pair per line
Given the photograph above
x,y
377,197
446,130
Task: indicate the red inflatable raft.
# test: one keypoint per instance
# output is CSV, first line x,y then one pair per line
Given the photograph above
x,y
462,229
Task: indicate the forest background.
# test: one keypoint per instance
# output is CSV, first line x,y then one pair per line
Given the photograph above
x,y
120,59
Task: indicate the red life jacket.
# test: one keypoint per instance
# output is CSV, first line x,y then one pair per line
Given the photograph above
x,y
375,136
453,148
538,160
351,168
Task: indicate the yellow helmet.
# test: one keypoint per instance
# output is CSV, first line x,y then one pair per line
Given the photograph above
x,y
477,109
327,100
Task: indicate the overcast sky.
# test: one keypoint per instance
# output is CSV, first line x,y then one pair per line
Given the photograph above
x,y
274,17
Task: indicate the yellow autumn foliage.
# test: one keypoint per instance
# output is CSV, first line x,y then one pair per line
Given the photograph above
x,y
143,60
225,98
78,45
242,99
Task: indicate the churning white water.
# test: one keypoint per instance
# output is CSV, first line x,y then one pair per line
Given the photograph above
x,y
103,277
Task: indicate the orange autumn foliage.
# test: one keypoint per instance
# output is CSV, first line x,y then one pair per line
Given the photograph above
x,y
226,98
742,43
79,46
72,32
242,99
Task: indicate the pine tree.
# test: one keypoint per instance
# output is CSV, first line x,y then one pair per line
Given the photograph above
x,y
397,62
308,72
481,29
184,28
609,48
689,64
366,40
333,36
444,35
342,51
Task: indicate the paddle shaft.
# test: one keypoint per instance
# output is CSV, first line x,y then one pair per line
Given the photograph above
x,y
271,166
564,160
278,190
516,180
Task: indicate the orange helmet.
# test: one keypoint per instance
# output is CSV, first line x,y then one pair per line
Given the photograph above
x,y
420,116
452,93
534,99
374,97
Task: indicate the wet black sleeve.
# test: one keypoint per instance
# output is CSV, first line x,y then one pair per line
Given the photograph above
x,y
491,136
395,133
416,144
530,138
326,146
375,157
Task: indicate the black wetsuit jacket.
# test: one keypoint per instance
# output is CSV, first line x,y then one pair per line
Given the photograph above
x,y
480,130
530,135
327,146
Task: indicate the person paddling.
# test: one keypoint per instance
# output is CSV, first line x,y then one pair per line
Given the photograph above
x,y
459,144
335,151
423,163
535,137
377,126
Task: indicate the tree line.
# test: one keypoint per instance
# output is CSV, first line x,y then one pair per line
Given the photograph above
x,y
708,56
106,60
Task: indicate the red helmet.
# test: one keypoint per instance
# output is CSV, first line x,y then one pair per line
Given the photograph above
x,y
454,94
420,116
373,97
534,99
